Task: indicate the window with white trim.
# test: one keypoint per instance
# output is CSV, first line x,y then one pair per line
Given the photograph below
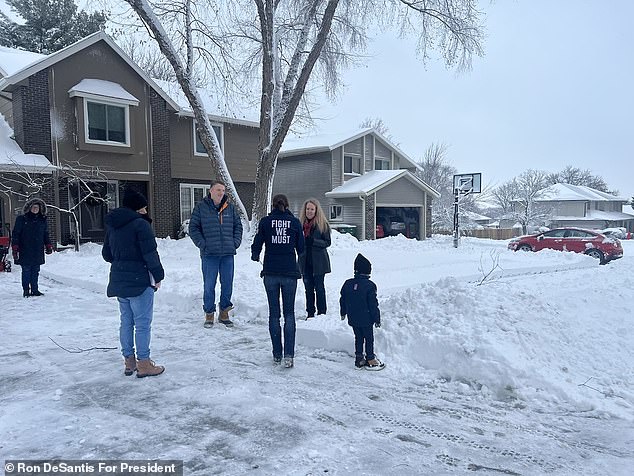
x,y
199,148
190,195
381,164
107,123
351,164
336,212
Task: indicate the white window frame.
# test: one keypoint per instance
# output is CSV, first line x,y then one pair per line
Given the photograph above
x,y
114,103
383,159
354,157
337,216
221,139
191,187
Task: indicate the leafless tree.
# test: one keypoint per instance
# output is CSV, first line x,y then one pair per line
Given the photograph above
x,y
148,58
283,44
575,176
24,184
378,125
530,186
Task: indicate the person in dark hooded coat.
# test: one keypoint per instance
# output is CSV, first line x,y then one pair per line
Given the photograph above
x,y
359,303
29,241
135,274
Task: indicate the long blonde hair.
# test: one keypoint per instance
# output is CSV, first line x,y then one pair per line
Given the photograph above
x,y
320,218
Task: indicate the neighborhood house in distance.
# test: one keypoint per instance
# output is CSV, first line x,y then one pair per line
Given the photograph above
x,y
89,112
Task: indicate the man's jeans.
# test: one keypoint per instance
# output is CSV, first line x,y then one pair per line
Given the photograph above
x,y
136,315
30,276
287,286
212,266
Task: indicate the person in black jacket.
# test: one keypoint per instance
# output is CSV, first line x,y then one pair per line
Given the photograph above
x,y
358,301
135,274
282,235
29,241
314,263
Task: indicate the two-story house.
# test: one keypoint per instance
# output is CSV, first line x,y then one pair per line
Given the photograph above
x,y
363,181
585,207
95,114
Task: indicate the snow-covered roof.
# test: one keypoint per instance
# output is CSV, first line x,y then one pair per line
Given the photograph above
x,y
374,180
100,89
45,61
567,192
475,216
595,215
13,60
13,159
321,142
247,117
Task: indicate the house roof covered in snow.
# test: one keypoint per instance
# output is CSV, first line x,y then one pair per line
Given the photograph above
x,y
45,61
326,142
375,180
13,159
13,60
595,215
566,192
100,89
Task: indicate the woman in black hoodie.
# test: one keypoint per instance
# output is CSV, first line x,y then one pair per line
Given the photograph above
x,y
29,241
282,235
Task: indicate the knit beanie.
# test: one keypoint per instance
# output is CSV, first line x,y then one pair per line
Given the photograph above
x,y
134,200
362,265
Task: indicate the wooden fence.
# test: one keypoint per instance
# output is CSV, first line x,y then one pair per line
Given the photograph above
x,y
490,233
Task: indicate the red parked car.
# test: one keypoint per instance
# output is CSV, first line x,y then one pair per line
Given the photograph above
x,y
571,239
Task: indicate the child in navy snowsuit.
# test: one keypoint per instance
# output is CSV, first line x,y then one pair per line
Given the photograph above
x,y
359,303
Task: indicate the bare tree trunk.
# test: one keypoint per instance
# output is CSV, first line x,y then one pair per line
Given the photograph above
x,y
185,80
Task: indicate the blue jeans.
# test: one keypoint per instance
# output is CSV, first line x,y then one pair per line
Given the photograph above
x,y
136,324
363,335
287,286
30,275
212,266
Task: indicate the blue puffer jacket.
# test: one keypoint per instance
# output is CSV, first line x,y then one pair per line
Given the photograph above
x,y
282,234
215,230
358,301
130,246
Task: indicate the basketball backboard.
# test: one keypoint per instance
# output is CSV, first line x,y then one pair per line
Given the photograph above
x,y
468,183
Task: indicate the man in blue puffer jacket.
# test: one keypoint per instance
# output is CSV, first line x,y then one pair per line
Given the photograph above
x,y
135,274
216,229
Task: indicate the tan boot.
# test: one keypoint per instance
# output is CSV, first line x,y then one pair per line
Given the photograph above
x,y
209,320
147,368
224,317
130,365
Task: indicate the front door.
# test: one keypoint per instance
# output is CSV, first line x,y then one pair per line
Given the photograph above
x,y
93,209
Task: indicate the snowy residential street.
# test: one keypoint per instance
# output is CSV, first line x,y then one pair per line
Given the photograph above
x,y
526,371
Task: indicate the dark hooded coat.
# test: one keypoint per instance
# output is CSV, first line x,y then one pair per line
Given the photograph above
x,y
30,234
130,246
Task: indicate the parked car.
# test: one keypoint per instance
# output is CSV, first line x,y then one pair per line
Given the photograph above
x,y
571,239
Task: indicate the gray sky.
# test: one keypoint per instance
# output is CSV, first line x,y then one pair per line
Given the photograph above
x,y
555,87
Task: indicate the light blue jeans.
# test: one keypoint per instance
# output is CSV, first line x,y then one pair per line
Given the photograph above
x,y
212,266
136,324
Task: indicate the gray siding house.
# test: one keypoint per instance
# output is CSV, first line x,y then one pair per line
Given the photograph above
x,y
365,184
104,125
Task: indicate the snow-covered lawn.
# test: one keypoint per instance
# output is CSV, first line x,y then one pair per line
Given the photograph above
x,y
527,371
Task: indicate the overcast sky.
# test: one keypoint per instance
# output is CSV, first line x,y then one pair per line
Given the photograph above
x,y
555,87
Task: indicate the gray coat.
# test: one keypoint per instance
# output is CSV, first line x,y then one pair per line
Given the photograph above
x,y
216,231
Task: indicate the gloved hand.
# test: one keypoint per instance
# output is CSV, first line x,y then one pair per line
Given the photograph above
x,y
377,324
255,258
343,318
15,251
49,249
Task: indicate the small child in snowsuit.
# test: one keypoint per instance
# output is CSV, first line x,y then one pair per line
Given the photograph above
x,y
358,301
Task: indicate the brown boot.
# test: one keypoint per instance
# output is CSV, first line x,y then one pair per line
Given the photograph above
x,y
130,365
147,368
209,320
224,317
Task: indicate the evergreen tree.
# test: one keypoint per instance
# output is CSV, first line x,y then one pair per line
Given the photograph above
x,y
49,25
